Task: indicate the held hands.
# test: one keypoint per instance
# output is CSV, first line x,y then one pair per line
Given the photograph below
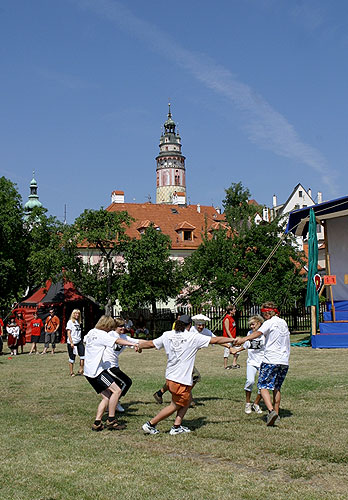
x,y
238,341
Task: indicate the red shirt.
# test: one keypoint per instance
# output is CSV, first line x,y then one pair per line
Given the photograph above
x,y
1,326
231,326
36,324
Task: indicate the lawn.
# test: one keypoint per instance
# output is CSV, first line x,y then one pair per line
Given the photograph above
x,y
48,451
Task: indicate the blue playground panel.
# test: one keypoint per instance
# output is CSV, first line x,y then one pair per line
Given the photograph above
x,y
330,341
340,305
340,315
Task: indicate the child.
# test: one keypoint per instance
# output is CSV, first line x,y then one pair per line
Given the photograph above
x,y
13,336
74,341
103,380
255,349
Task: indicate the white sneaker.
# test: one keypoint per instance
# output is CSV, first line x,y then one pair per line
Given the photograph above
x,y
119,408
149,429
256,408
248,408
179,430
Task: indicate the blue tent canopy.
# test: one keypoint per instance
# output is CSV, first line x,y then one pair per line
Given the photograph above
x,y
299,219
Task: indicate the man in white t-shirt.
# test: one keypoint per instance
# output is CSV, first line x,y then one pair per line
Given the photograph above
x,y
275,364
199,328
181,346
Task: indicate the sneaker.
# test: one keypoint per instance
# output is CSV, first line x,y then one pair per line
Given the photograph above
x,y
98,427
119,408
248,408
158,395
271,418
150,429
113,425
256,408
179,430
277,420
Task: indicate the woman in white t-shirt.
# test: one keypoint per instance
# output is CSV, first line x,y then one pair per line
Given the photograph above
x,y
74,341
103,381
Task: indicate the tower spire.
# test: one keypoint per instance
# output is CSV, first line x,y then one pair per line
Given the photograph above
x,y
170,170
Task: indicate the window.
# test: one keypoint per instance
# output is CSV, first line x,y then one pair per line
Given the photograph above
x,y
187,235
300,194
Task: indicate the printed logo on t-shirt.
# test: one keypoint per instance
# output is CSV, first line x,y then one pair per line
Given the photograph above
x,y
256,344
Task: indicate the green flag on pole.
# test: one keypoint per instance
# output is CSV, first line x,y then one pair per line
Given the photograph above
x,y
312,297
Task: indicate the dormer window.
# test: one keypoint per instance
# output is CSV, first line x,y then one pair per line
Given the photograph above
x,y
185,231
187,235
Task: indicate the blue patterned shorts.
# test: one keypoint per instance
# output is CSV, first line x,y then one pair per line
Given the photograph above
x,y
271,376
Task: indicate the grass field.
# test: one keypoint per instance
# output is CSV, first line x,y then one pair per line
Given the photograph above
x,y
48,451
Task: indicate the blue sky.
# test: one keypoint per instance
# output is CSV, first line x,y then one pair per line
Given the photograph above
x,y
258,89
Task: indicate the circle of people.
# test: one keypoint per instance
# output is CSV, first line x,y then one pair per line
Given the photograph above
x,y
267,344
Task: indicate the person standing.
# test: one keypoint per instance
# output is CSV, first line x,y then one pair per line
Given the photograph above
x,y
1,335
229,330
22,331
51,326
275,364
36,325
74,341
12,336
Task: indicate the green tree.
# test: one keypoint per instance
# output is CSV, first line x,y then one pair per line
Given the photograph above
x,y
238,212
104,234
13,248
224,264
151,274
45,241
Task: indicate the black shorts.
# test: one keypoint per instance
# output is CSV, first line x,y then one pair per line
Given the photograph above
x,y
35,338
80,351
101,382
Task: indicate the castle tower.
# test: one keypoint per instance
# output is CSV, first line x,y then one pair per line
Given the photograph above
x,y
33,198
170,170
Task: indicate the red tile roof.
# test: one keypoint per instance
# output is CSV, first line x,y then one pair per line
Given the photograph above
x,y
171,219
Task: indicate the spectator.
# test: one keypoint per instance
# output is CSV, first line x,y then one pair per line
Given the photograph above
x,y
12,336
36,326
141,327
229,330
1,335
74,341
22,330
51,327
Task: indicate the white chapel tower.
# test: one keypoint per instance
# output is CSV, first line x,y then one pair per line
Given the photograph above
x,y
170,170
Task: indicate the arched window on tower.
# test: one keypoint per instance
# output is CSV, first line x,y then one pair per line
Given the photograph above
x,y
177,178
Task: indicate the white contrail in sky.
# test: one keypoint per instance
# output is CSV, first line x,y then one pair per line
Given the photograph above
x,y
264,126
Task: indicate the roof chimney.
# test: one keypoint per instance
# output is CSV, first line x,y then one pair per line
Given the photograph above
x,y
198,208
117,197
274,200
310,192
320,197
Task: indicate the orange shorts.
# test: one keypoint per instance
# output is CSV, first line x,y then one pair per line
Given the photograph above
x,y
181,394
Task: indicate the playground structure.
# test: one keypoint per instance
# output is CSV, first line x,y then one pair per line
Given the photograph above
x,y
333,215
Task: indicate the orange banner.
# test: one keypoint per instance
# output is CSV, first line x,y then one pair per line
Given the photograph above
x,y
330,279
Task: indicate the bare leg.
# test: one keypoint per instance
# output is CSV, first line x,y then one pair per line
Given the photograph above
x,y
165,413
247,396
276,400
225,362
181,413
71,368
103,404
267,399
257,399
113,400
235,359
82,364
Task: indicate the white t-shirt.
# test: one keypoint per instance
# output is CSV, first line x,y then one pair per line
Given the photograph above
x,y
111,354
256,350
205,332
181,349
75,331
277,341
96,341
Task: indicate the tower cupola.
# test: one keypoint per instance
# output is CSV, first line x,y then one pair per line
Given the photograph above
x,y
170,169
33,198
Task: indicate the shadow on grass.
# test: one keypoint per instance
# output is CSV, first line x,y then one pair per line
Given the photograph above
x,y
196,423
283,413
